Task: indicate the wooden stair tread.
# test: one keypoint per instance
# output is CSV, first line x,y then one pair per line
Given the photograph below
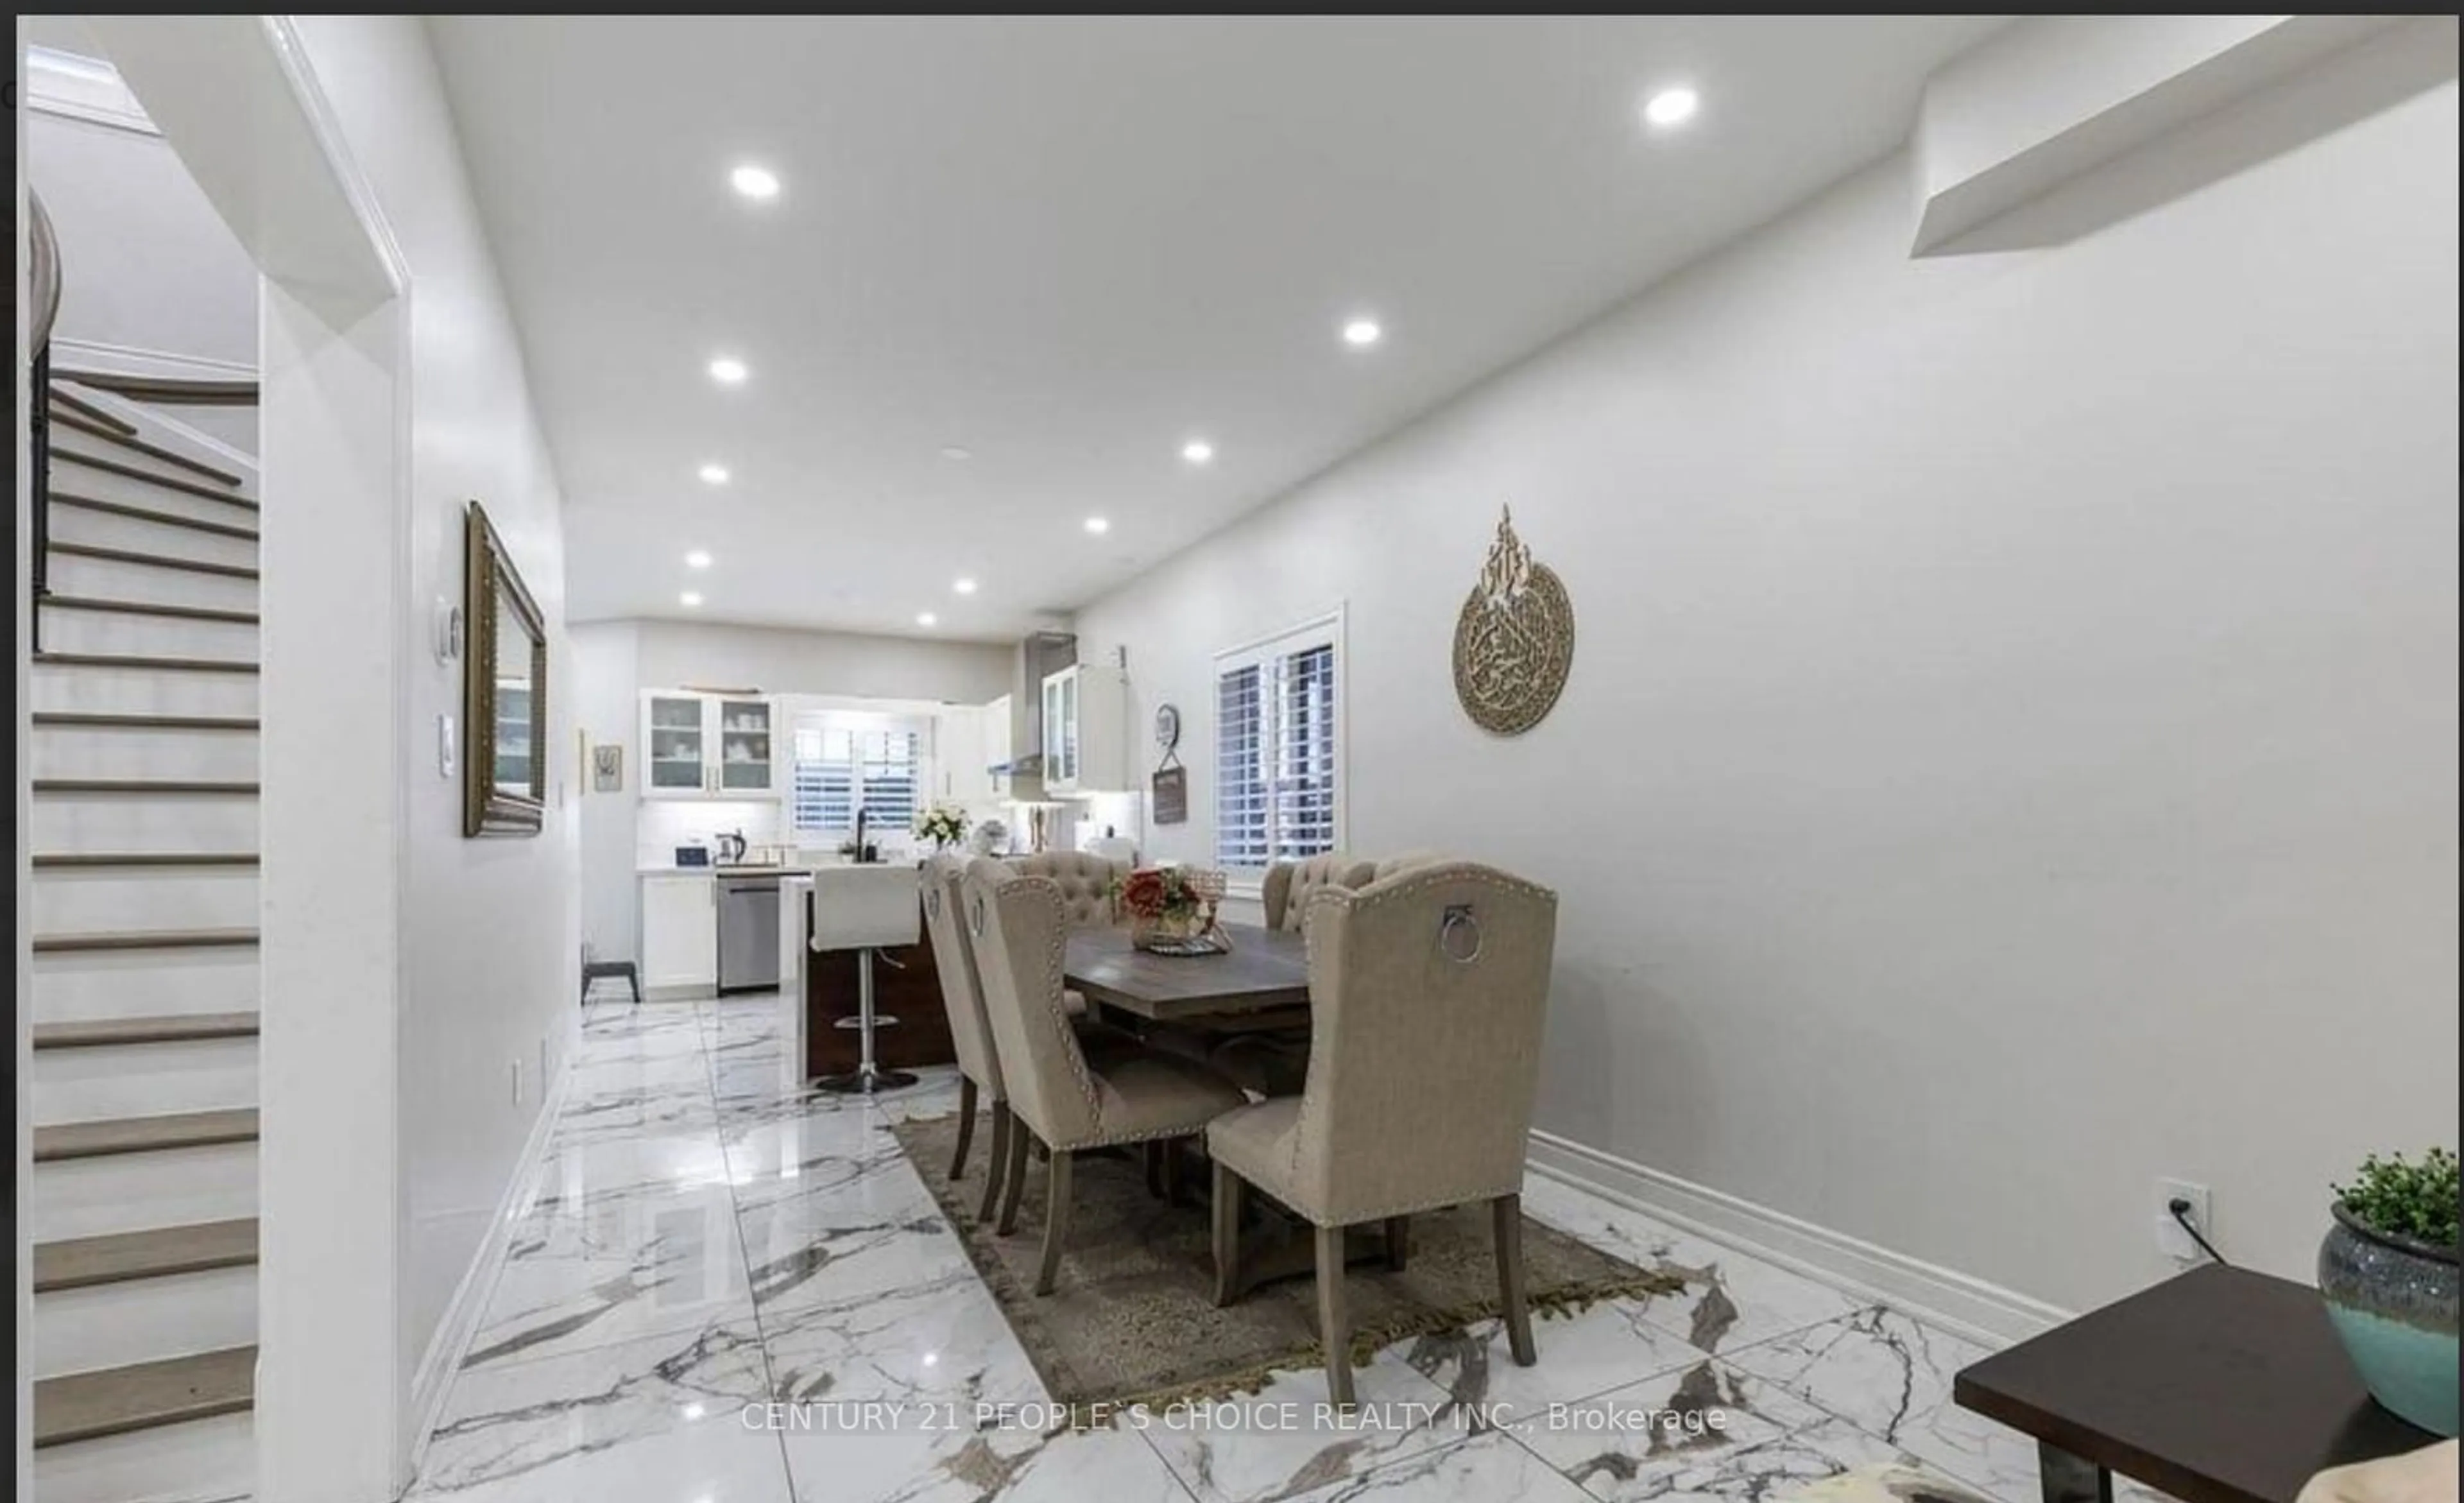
x,y
80,405
95,503
176,390
83,1262
112,431
109,860
141,785
167,1029
159,561
114,720
148,608
139,1134
83,1407
176,665
169,482
143,939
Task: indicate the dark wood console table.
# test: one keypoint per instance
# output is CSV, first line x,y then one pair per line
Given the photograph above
x,y
2219,1386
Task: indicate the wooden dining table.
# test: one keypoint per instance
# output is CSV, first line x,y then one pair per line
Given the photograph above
x,y
1258,983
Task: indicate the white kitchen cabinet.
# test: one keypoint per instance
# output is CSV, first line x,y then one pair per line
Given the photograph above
x,y
708,746
962,753
679,933
1086,731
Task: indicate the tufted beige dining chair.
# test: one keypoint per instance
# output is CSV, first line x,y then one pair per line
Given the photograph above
x,y
1289,885
1085,882
1427,991
963,997
1060,1096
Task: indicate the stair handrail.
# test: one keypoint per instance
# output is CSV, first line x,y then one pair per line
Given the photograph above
x,y
43,287
43,272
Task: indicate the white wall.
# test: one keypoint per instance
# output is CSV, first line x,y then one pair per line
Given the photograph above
x,y
615,660
147,262
2010,749
489,928
675,652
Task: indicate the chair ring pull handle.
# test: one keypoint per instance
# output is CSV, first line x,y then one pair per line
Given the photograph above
x,y
976,916
1451,930
933,901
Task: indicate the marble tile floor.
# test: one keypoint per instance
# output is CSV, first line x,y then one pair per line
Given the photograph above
x,y
721,1287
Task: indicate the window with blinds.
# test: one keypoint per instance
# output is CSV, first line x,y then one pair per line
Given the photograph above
x,y
1278,749
841,768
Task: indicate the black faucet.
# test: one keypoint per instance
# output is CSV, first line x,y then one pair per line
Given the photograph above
x,y
860,815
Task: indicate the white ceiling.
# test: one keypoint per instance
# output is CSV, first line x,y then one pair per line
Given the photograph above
x,y
1067,247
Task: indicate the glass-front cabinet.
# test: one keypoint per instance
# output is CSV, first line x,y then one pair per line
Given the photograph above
x,y
1061,729
1086,742
744,761
707,746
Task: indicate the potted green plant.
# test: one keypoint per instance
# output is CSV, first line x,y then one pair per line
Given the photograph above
x,y
2388,1270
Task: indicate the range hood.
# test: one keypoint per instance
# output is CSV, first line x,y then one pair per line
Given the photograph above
x,y
1044,652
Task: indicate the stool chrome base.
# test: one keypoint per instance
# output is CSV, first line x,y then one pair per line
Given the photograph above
x,y
868,1078
865,1080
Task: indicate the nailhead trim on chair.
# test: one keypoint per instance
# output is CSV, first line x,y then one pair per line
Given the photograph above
x,y
1405,886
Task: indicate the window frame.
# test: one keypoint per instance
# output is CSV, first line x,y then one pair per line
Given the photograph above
x,y
1328,630
857,725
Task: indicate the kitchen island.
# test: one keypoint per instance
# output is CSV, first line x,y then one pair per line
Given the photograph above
x,y
907,985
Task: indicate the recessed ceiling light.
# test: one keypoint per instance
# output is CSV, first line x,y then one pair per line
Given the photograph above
x,y
964,587
925,618
758,184
728,371
689,598
1671,108
697,560
1098,525
714,474
956,452
1361,333
1197,451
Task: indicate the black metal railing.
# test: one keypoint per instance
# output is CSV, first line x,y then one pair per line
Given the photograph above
x,y
43,283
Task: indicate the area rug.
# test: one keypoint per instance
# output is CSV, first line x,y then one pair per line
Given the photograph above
x,y
1132,1317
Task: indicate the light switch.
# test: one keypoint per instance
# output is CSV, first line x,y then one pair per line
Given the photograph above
x,y
445,745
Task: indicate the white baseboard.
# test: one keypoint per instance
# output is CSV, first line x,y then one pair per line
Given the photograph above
x,y
433,1379
1961,1304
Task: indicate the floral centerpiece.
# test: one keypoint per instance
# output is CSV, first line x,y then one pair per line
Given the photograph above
x,y
942,824
1172,909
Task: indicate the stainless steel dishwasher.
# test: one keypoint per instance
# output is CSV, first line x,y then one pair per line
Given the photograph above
x,y
748,932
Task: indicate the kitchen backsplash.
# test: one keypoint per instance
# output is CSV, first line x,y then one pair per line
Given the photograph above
x,y
662,826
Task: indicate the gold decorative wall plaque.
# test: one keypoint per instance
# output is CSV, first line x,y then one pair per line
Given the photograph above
x,y
1514,642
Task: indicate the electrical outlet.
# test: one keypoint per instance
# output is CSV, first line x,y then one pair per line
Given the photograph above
x,y
2170,1239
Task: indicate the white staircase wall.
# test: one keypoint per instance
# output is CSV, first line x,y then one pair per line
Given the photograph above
x,y
109,579
131,1192
108,485
79,751
85,986
143,822
214,1460
135,635
142,691
143,1320
110,530
87,1085
81,901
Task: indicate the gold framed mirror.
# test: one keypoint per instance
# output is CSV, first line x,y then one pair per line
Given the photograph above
x,y
504,691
